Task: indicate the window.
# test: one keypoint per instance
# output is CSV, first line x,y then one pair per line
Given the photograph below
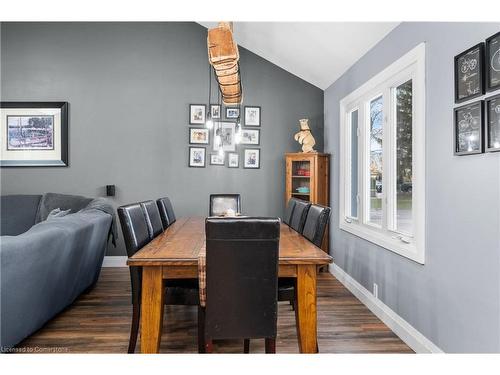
x,y
382,152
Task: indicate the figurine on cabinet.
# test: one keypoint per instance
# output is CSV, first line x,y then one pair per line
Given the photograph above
x,y
304,136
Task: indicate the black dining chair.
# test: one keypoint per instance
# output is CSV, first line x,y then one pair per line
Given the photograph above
x,y
316,222
289,210
137,234
299,214
153,218
241,281
220,203
166,212
314,230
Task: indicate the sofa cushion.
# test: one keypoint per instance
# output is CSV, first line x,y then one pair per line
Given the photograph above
x,y
18,213
51,201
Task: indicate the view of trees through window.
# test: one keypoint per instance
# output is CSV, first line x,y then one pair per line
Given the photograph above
x,y
376,135
404,175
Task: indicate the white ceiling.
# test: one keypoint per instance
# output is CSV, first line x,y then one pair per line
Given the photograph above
x,y
318,52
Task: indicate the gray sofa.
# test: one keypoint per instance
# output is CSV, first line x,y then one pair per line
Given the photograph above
x,y
47,263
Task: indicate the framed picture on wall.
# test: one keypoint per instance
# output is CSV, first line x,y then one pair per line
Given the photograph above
x,y
493,124
252,158
233,160
493,62
224,133
469,77
232,113
216,159
199,136
469,121
197,157
197,114
250,136
34,134
215,111
252,116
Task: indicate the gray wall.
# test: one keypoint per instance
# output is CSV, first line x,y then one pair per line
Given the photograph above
x,y
454,298
129,86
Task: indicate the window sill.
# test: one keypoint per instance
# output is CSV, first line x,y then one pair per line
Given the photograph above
x,y
407,250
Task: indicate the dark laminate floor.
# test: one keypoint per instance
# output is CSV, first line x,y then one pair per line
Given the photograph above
x,y
99,322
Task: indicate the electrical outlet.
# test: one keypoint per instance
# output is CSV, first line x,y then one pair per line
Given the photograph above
x,y
375,290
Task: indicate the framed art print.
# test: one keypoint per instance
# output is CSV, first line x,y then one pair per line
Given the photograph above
x,y
224,134
197,114
469,78
233,160
34,134
252,116
197,157
216,159
215,111
232,113
250,136
468,129
199,136
252,158
493,124
493,62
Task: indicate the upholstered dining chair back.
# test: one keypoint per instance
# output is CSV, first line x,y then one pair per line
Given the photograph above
x,y
220,203
153,218
316,222
289,210
242,277
136,235
167,213
299,214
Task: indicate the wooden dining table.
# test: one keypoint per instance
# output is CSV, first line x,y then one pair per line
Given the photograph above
x,y
174,255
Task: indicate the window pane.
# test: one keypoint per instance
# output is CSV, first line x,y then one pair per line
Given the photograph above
x,y
376,132
354,164
404,222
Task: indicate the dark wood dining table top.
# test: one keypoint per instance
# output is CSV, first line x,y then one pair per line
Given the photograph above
x,y
181,243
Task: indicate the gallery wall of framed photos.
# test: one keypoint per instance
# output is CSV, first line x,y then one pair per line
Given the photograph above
x,y
477,88
203,149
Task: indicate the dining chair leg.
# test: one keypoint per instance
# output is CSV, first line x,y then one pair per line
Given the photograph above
x,y
209,346
271,346
246,346
134,329
201,329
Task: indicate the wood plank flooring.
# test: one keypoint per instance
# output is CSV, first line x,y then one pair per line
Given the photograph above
x,y
99,322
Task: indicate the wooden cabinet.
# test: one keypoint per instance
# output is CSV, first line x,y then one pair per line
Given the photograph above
x,y
308,178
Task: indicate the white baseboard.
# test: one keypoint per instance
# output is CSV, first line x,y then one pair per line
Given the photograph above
x,y
114,261
406,332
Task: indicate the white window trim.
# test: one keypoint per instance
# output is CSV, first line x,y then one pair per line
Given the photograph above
x,y
413,62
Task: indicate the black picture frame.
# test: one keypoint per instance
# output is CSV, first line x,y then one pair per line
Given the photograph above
x,y
229,157
495,147
244,158
63,160
197,122
260,115
466,67
199,129
212,114
204,157
243,142
232,109
492,63
218,164
467,127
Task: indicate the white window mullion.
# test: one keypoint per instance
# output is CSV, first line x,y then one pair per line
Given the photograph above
x,y
390,160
